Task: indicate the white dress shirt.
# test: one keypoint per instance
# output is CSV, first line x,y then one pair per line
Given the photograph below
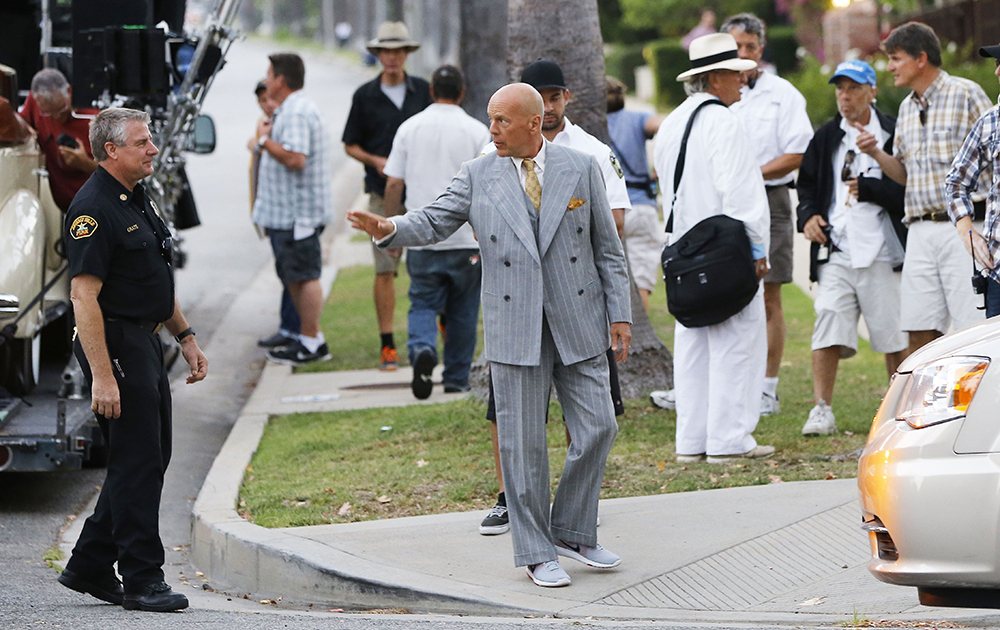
x,y
720,175
774,116
522,173
857,226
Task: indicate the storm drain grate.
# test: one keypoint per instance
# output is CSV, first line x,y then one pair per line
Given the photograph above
x,y
760,569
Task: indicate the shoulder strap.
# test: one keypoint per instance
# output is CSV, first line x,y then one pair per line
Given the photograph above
x,y
679,169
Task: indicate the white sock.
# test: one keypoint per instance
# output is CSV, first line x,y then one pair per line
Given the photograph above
x,y
771,385
312,344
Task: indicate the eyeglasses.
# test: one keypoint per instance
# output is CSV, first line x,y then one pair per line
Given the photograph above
x,y
847,173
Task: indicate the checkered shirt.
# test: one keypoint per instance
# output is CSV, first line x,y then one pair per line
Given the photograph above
x,y
952,105
305,197
980,155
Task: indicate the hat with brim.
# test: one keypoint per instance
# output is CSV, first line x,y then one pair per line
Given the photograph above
x,y
715,52
391,36
990,51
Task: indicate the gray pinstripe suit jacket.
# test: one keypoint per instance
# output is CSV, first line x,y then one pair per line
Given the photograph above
x,y
575,270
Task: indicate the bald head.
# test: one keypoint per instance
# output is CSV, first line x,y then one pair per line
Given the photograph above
x,y
515,112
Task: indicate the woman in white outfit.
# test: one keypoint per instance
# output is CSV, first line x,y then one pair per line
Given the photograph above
x,y
718,370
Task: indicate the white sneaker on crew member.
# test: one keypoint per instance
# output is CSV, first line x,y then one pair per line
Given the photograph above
x,y
821,420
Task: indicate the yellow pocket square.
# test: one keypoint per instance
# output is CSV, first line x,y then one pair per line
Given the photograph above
x,y
574,203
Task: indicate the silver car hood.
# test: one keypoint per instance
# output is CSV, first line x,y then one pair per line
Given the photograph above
x,y
973,340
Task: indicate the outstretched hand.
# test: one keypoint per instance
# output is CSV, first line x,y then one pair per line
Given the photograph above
x,y
373,224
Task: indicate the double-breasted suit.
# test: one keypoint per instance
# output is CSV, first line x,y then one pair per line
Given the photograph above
x,y
553,279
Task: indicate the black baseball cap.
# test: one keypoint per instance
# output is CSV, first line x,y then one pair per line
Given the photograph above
x,y
543,74
990,51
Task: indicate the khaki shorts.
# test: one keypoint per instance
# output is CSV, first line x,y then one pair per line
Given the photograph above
x,y
384,263
644,240
844,294
782,231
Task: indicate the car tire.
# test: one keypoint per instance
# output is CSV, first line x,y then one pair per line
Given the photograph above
x,y
19,365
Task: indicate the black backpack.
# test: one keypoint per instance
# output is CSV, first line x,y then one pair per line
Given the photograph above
x,y
709,272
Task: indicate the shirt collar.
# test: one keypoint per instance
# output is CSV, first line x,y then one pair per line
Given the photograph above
x,y
933,87
539,159
118,191
291,98
567,130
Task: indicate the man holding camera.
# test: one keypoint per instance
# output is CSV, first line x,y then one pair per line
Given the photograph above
x,y
853,215
62,134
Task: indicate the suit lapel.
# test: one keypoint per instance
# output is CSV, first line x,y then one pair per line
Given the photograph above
x,y
560,181
505,187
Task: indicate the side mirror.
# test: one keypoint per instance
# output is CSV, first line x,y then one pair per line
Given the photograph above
x,y
10,305
202,139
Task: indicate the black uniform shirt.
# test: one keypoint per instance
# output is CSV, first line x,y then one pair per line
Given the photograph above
x,y
115,234
374,119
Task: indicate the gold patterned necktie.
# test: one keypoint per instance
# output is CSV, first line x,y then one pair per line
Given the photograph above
x,y
531,184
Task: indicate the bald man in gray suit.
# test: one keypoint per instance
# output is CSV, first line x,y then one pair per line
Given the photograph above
x,y
554,275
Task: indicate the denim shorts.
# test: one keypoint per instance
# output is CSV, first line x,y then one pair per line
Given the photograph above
x,y
296,261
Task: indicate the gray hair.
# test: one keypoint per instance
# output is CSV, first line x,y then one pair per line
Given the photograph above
x,y
48,82
111,125
697,84
746,23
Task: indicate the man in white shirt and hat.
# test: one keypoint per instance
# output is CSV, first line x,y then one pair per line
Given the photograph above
x,y
718,369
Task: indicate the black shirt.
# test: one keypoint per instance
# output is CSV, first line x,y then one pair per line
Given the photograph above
x,y
374,119
116,235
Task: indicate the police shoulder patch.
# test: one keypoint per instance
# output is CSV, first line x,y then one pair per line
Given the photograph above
x,y
82,227
618,167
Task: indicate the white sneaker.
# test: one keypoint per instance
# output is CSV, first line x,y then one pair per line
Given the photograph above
x,y
548,574
664,399
821,420
690,459
756,452
769,404
591,556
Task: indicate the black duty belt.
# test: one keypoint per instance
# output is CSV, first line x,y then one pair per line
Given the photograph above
x,y
774,186
147,325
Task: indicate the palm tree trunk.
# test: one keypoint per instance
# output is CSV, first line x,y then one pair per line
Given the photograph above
x,y
484,31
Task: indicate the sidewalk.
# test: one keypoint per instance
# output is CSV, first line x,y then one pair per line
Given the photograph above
x,y
790,553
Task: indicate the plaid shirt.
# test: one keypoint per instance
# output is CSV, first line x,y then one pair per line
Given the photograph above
x,y
286,198
927,144
980,154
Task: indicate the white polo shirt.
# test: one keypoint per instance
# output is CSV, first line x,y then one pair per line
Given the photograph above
x,y
427,152
774,116
575,137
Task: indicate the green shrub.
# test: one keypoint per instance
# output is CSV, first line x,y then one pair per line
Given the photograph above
x,y
812,81
622,60
782,46
667,59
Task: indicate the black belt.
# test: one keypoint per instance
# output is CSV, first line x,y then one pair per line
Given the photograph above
x,y
773,186
939,217
147,325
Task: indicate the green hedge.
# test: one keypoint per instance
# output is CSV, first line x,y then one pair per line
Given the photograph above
x,y
782,48
812,81
667,59
622,60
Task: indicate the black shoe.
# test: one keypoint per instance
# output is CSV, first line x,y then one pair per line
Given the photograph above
x,y
107,589
423,365
156,597
451,388
297,354
496,522
277,340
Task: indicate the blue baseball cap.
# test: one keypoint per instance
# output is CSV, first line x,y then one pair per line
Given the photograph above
x,y
858,71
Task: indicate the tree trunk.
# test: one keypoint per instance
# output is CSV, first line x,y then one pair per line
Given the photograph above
x,y
484,31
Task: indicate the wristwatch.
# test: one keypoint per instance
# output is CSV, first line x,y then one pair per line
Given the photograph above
x,y
182,335
261,141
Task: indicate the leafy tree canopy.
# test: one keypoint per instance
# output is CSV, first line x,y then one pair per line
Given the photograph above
x,y
672,18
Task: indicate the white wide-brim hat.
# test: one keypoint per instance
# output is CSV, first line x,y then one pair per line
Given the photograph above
x,y
717,51
392,35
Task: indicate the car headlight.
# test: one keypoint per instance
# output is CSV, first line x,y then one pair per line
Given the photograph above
x,y
940,391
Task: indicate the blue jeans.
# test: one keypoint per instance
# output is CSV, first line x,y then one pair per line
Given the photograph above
x,y
290,320
992,298
446,282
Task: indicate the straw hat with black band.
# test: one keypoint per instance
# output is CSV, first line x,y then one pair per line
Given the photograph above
x,y
717,51
392,35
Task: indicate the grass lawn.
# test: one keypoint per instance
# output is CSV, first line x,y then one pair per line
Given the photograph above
x,y
339,467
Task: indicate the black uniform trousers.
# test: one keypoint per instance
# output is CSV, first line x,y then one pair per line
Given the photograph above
x,y
125,524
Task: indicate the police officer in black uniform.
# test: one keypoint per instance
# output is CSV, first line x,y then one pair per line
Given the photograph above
x,y
122,292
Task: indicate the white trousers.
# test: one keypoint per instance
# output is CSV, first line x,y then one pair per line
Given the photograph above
x,y
718,378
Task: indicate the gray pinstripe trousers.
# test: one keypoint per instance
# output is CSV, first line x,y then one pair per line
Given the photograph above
x,y
522,397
